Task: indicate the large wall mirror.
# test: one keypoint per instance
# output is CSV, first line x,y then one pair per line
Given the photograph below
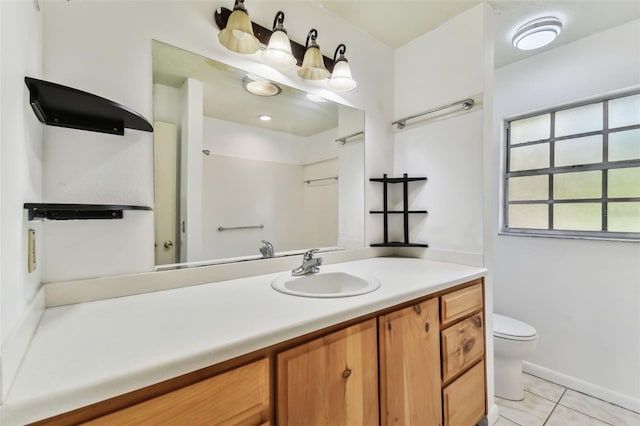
x,y
239,160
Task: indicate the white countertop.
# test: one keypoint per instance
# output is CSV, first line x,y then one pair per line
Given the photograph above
x,y
88,352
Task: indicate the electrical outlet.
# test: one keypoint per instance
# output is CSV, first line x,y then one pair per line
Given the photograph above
x,y
31,254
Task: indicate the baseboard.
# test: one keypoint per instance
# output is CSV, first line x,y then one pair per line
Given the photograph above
x,y
608,395
491,418
16,345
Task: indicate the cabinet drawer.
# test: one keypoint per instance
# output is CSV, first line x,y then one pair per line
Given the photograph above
x,y
457,304
464,399
462,346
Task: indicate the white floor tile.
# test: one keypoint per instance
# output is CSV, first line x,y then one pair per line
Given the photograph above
x,y
599,409
542,387
533,410
503,421
563,416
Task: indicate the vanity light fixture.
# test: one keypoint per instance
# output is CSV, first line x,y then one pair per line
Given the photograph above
x,y
278,53
341,79
313,64
537,33
260,87
238,34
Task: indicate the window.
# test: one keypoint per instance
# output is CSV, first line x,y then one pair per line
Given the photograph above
x,y
575,171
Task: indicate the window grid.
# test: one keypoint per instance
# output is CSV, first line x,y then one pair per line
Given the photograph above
x,y
604,166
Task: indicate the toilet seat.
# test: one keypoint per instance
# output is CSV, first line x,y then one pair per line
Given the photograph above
x,y
511,329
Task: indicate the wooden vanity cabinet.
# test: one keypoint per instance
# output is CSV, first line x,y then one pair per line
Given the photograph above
x,y
239,397
410,366
332,380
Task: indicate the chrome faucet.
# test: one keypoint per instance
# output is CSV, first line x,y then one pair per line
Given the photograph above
x,y
267,249
310,264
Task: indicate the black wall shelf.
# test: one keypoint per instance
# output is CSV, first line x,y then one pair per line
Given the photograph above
x,y
62,106
404,180
58,211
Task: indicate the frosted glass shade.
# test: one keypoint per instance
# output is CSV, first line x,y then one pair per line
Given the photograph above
x,y
313,65
341,79
238,34
278,53
537,33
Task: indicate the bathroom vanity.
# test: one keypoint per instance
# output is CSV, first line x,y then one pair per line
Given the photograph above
x,y
239,352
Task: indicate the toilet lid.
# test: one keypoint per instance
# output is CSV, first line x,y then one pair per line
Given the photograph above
x,y
510,328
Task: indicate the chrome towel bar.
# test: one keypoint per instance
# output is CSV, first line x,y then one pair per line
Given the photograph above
x,y
233,228
466,104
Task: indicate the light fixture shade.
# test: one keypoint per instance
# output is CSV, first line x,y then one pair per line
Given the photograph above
x,y
341,79
278,53
313,63
537,33
238,36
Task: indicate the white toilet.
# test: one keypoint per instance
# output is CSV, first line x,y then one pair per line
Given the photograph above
x,y
513,340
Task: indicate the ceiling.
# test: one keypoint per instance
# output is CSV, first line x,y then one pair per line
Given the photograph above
x,y
397,22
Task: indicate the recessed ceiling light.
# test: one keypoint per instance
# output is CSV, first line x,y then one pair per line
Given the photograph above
x,y
264,117
261,87
537,33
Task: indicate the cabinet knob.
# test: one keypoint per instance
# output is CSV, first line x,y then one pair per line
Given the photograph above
x,y
426,326
168,244
346,373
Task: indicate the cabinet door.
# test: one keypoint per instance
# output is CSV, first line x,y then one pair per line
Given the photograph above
x,y
332,380
410,366
237,397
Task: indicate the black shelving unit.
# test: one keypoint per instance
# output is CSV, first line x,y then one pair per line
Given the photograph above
x,y
60,211
62,106
405,212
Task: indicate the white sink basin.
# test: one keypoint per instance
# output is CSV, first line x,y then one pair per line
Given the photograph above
x,y
325,284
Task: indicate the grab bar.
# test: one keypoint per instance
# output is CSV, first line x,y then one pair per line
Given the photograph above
x,y
466,104
232,228
343,139
315,180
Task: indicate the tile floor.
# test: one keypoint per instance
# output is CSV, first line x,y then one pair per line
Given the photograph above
x,y
549,404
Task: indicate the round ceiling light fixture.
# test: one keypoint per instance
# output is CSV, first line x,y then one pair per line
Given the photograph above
x,y
537,33
261,87
264,117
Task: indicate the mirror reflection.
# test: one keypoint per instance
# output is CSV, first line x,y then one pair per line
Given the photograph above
x,y
246,168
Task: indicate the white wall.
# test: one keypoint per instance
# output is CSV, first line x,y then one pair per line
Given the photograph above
x,y
443,66
246,192
20,167
320,204
582,296
104,47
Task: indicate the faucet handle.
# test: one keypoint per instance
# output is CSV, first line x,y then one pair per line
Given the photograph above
x,y
308,255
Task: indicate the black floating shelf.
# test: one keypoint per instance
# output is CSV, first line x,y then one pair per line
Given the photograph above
x,y
398,244
397,211
397,180
63,106
405,212
55,211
